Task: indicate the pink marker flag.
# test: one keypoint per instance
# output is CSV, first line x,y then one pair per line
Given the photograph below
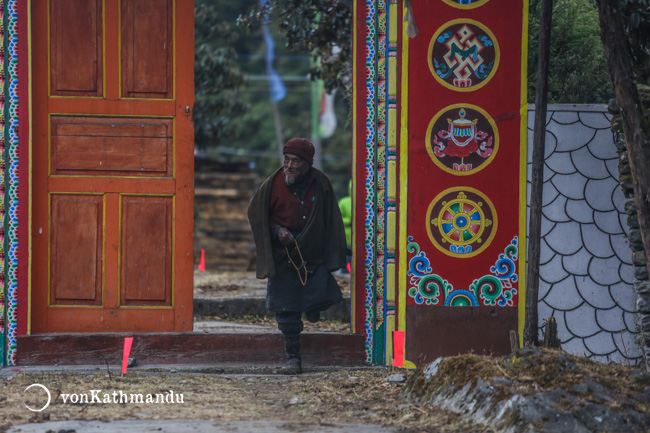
x,y
128,341
202,262
398,348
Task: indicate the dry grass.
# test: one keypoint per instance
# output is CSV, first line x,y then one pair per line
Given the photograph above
x,y
323,325
351,396
242,283
528,372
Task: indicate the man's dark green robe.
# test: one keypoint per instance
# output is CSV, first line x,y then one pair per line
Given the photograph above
x,y
322,244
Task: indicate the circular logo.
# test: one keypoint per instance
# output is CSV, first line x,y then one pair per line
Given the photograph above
x,y
47,391
465,4
461,222
462,139
463,55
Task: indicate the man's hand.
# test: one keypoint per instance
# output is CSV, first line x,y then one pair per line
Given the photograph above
x,y
285,236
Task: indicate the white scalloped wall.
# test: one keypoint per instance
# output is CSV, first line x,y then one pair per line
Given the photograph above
x,y
586,267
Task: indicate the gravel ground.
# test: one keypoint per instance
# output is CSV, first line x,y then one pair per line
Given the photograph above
x,y
358,396
231,284
240,284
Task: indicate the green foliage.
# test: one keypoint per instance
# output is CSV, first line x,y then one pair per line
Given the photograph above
x,y
216,78
252,137
315,27
578,71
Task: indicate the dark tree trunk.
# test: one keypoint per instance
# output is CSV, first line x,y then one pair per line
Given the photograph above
x,y
617,53
537,181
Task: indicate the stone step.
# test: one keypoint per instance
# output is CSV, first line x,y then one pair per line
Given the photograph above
x,y
186,348
256,306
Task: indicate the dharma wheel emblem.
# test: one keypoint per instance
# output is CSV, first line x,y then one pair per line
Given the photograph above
x,y
461,222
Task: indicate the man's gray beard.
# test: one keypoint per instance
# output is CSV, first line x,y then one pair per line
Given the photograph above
x,y
289,180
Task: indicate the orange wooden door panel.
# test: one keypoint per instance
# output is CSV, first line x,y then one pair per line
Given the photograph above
x,y
77,221
76,50
116,146
145,253
147,46
113,153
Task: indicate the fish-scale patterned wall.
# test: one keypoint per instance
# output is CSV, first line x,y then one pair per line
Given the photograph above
x,y
586,270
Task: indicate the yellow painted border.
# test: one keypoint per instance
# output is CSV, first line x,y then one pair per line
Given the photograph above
x,y
490,236
88,176
390,293
523,172
119,255
49,250
142,116
403,179
104,74
49,145
435,159
119,49
474,5
101,98
497,54
353,285
49,50
174,148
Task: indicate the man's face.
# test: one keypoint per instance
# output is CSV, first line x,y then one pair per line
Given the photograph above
x,y
294,168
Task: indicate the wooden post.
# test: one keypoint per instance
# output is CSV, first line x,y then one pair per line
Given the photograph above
x,y
539,137
514,340
550,333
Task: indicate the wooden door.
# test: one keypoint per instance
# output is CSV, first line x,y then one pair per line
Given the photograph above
x,y
113,161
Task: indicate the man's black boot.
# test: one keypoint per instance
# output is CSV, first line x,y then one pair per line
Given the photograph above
x,y
312,316
292,347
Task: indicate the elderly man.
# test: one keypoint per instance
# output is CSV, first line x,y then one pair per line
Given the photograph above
x,y
300,239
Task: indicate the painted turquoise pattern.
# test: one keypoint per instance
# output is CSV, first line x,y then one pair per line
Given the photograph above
x,y
10,219
3,167
369,283
382,135
495,289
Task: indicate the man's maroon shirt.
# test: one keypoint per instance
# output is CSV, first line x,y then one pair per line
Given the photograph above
x,y
286,208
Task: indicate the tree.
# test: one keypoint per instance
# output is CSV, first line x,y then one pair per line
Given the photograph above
x,y
217,78
537,181
320,27
625,31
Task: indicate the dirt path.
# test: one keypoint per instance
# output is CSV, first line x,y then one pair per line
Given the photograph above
x,y
242,284
350,396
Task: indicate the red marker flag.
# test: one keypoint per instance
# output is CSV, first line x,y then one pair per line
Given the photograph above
x,y
398,348
202,262
128,341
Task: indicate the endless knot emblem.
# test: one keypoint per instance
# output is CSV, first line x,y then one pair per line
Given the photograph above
x,y
463,55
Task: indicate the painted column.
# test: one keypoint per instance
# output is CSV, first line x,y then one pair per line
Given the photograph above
x,y
9,231
364,169
3,168
462,177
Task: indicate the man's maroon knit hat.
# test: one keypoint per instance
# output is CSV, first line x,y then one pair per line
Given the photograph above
x,y
300,147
